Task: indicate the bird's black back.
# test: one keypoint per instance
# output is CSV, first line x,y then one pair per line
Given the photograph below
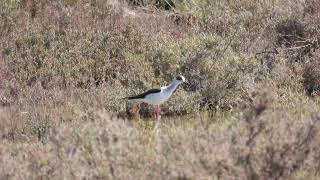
x,y
143,95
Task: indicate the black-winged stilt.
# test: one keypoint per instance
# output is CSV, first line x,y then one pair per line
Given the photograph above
x,y
158,96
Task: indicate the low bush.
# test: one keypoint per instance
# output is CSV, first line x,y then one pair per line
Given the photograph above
x,y
250,110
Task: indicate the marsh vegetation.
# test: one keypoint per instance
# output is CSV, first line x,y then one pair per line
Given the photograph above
x,y
251,109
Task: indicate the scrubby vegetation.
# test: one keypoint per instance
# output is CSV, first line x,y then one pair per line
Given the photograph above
x,y
250,111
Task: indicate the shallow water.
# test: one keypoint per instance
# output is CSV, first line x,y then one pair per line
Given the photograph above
x,y
205,119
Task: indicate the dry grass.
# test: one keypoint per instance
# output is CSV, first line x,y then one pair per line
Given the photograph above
x,y
65,64
264,142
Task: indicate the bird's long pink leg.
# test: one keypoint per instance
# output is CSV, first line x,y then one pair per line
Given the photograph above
x,y
134,112
155,113
158,111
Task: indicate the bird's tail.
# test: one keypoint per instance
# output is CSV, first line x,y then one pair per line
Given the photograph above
x,y
128,98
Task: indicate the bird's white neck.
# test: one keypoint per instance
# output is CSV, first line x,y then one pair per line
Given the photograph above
x,y
171,87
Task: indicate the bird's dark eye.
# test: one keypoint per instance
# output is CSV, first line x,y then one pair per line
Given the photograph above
x,y
179,78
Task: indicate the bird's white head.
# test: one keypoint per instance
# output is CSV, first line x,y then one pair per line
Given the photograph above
x,y
180,79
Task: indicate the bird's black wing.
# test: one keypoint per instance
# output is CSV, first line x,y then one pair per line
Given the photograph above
x,y
143,95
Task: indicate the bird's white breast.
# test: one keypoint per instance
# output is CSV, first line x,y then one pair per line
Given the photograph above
x,y
157,98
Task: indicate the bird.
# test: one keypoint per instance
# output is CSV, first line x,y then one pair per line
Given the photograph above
x,y
158,96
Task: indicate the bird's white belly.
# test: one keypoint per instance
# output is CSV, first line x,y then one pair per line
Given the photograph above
x,y
155,99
